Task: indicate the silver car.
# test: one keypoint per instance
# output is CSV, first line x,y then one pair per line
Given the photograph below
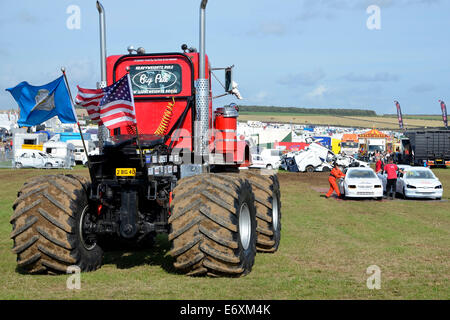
x,y
417,182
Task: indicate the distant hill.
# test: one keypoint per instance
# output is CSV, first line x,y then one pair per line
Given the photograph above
x,y
309,111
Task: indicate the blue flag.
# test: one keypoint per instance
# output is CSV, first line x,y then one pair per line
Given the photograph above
x,y
38,104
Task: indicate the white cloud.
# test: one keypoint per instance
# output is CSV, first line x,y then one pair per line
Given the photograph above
x,y
269,28
261,96
317,93
377,77
309,78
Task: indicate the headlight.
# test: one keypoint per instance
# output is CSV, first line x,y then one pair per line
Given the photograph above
x,y
410,186
438,187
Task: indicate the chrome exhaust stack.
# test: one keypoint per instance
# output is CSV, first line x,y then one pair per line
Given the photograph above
x,y
101,13
103,133
202,93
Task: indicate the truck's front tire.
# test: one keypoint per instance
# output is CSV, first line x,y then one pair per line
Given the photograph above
x,y
48,214
213,225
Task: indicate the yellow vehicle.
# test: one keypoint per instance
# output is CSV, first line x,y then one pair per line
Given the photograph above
x,y
335,145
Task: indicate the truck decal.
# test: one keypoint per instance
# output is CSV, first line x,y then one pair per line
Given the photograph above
x,y
156,79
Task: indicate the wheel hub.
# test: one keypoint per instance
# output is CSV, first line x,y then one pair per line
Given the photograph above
x,y
245,226
275,211
89,243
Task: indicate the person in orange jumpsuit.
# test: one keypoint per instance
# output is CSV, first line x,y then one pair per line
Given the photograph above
x,y
336,173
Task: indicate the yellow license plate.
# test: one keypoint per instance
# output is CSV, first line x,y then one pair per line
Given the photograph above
x,y
126,172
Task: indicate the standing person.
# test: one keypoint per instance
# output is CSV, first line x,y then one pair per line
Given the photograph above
x,y
378,165
2,151
391,185
336,173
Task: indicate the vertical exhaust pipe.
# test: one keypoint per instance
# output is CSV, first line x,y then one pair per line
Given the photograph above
x,y
202,62
103,133
202,93
101,12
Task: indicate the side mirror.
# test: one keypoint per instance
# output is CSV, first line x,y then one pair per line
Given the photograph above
x,y
229,79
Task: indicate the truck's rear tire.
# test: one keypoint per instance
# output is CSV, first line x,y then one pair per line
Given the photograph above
x,y
268,209
213,225
46,223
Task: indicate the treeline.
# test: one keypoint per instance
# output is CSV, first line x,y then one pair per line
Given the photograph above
x,y
327,111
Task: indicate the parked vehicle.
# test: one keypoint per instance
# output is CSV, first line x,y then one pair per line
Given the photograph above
x,y
79,153
27,158
361,182
349,144
427,147
61,150
259,161
349,161
417,182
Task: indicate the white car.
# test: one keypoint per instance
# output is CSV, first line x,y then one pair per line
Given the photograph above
x,y
28,158
360,182
349,161
417,182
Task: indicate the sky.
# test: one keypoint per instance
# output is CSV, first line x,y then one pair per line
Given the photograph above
x,y
293,53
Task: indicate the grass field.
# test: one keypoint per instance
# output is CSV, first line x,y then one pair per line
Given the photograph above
x,y
379,122
326,247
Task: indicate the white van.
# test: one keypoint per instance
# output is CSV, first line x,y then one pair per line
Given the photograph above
x,y
28,158
268,159
79,153
61,150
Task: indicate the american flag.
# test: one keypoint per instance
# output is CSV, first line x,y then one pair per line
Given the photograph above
x,y
90,99
112,106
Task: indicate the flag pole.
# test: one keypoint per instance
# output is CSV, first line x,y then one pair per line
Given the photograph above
x,y
135,122
75,114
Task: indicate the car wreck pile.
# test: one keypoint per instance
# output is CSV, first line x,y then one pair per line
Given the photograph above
x,y
316,157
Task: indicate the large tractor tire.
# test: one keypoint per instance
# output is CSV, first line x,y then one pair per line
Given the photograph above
x,y
213,225
268,209
47,219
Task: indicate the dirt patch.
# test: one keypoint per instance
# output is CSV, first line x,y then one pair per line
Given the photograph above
x,y
313,179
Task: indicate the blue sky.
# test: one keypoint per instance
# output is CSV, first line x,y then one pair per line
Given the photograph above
x,y
300,53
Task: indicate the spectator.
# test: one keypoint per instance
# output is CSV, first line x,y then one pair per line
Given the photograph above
x,y
391,185
379,165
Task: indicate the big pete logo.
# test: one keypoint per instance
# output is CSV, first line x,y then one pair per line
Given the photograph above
x,y
157,79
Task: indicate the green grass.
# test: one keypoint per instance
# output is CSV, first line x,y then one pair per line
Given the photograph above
x,y
416,116
325,249
249,113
